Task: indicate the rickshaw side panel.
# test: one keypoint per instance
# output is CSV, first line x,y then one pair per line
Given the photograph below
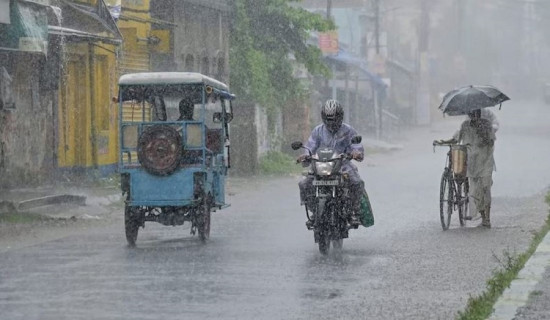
x,y
148,189
219,188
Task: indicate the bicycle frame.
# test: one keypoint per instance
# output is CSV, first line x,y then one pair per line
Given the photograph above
x,y
457,193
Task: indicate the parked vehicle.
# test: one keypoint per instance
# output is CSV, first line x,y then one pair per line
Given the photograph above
x,y
174,149
332,197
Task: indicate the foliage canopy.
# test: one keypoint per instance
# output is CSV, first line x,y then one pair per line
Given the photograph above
x,y
267,37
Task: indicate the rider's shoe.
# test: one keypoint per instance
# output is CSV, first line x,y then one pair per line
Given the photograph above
x,y
484,224
354,221
309,224
485,220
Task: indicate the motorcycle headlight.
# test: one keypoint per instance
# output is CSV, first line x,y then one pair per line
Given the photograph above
x,y
324,168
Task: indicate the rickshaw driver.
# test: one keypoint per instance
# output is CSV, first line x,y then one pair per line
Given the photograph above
x,y
186,109
480,136
335,134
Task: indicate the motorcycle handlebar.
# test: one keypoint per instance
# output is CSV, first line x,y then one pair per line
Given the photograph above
x,y
342,156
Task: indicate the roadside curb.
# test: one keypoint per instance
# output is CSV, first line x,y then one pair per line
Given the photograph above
x,y
7,206
517,295
53,199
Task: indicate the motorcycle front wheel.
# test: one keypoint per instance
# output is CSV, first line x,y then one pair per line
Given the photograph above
x,y
324,241
338,244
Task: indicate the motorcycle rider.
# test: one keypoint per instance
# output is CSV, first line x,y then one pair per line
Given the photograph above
x,y
335,134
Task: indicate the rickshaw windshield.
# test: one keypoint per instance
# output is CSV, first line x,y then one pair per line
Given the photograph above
x,y
146,103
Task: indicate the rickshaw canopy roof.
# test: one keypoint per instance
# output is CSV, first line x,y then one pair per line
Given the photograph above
x,y
160,78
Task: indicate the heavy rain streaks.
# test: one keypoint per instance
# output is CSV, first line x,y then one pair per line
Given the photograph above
x,y
105,216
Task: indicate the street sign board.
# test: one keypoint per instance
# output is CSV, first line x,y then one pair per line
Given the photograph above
x,y
328,42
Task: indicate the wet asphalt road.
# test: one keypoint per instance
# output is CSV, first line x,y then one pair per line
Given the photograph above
x,y
261,262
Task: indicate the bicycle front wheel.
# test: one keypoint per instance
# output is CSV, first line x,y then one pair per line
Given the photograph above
x,y
446,200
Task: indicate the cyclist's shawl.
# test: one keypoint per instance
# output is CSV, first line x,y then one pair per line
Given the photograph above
x,y
481,162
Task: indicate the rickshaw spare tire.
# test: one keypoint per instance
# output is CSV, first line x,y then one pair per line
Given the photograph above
x,y
160,150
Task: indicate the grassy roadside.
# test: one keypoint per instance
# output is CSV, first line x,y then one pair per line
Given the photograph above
x,y
278,163
481,307
21,218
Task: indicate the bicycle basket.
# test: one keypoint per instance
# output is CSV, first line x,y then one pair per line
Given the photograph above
x,y
458,157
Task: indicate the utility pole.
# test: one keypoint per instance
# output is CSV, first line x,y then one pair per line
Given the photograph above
x,y
460,4
377,105
423,97
377,25
329,17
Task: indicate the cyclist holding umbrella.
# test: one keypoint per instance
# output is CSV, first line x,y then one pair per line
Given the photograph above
x,y
478,134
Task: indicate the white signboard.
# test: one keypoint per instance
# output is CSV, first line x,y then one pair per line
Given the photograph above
x,y
5,11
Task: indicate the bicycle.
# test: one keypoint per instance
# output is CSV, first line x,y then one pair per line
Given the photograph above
x,y
454,188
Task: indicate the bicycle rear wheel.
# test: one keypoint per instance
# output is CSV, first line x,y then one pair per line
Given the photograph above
x,y
446,200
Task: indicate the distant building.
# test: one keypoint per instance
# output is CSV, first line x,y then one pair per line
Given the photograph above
x,y
198,31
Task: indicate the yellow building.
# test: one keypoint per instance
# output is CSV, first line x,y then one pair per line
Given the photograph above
x,y
135,24
87,117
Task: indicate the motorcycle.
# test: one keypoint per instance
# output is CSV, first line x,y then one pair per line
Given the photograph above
x,y
331,200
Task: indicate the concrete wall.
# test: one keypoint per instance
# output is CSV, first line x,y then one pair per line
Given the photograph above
x,y
251,138
27,151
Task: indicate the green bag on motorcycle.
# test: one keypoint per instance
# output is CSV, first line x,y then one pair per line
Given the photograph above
x,y
366,215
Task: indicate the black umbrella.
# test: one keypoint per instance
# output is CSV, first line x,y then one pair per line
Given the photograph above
x,y
463,100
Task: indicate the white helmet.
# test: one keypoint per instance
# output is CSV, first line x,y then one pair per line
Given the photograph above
x,y
332,114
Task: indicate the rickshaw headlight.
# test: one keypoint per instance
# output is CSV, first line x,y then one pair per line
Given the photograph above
x,y
194,136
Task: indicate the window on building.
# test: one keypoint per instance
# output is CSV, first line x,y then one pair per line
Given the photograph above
x,y
214,67
102,92
189,63
205,67
221,67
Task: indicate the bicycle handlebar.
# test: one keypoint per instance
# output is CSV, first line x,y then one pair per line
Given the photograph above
x,y
438,144
448,144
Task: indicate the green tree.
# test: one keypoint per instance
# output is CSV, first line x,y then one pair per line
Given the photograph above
x,y
266,36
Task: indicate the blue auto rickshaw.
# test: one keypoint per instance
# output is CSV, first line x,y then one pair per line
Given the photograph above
x,y
174,149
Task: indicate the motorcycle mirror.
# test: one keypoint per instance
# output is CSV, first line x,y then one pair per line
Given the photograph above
x,y
356,140
296,145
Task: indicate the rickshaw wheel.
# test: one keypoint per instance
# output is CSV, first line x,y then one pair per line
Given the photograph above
x,y
204,219
160,149
131,226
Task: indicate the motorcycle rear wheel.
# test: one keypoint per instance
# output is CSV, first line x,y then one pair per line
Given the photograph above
x,y
204,220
